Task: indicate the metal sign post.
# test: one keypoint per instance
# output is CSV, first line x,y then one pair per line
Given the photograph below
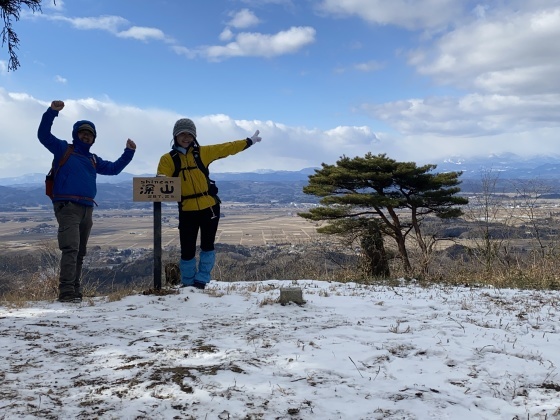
x,y
157,189
157,245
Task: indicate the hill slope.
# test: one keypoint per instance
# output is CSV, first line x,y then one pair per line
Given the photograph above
x,y
350,352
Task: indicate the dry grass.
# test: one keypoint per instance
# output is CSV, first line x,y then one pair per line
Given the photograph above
x,y
521,271
121,293
318,261
27,286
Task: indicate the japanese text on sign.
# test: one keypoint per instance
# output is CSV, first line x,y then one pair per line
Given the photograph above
x,y
157,188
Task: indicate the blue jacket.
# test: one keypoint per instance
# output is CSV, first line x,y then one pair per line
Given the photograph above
x,y
76,179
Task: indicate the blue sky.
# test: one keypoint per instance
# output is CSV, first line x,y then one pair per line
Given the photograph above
x,y
420,80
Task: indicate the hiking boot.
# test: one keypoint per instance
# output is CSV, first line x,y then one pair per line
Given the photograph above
x,y
77,299
199,285
66,297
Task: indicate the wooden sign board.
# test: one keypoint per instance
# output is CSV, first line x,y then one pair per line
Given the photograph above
x,y
156,189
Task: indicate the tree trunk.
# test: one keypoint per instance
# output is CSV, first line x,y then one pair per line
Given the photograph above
x,y
374,252
404,253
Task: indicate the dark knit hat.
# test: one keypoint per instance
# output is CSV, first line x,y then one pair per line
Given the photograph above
x,y
87,127
83,125
184,125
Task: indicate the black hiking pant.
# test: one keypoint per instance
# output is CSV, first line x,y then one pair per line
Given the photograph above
x,y
190,222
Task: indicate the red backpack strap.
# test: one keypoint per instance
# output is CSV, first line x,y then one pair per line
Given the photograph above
x,y
64,158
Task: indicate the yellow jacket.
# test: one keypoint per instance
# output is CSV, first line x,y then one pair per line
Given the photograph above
x,y
193,180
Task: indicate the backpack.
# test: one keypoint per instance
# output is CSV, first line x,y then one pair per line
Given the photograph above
x,y
49,179
212,187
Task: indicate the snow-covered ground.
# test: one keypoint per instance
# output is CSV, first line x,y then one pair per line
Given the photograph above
x,y
233,352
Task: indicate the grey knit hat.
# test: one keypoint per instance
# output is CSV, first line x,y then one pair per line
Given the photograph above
x,y
184,125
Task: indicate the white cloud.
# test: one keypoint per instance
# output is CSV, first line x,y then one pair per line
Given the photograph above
x,y
430,129
471,115
245,44
60,79
262,45
368,66
282,148
480,10
503,63
410,14
428,148
365,67
3,67
105,23
506,53
226,35
243,19
142,33
184,51
114,25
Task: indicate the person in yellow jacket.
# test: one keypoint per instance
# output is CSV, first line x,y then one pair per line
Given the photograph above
x,y
199,209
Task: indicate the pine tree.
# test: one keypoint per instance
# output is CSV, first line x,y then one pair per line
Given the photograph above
x,y
375,190
10,9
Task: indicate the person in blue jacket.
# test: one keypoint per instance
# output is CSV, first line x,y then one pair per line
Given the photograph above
x,y
74,192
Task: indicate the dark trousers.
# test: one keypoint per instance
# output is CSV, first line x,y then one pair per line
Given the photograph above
x,y
74,226
190,222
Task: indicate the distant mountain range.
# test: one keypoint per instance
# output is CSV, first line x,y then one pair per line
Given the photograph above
x,y
506,166
34,179
263,187
283,187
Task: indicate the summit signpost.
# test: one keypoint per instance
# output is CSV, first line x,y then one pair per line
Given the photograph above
x,y
157,189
